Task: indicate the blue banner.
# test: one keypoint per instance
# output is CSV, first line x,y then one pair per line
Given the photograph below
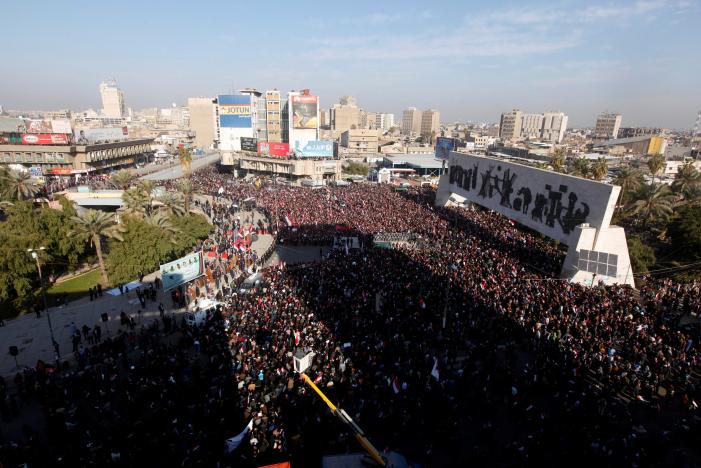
x,y
235,111
182,270
315,148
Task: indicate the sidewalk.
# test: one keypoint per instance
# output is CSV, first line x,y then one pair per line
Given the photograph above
x,y
31,335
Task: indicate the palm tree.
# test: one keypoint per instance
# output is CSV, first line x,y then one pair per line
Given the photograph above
x,y
580,167
135,202
687,181
655,203
557,160
93,225
18,185
172,203
656,164
599,169
122,179
163,223
629,180
148,186
185,187
185,157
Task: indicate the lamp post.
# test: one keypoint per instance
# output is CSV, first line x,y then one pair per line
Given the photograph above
x,y
35,256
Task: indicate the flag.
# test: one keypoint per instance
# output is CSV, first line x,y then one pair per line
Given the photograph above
x,y
395,385
287,220
434,371
234,442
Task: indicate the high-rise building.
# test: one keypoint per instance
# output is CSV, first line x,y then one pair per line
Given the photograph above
x,y
302,110
273,108
531,125
430,123
607,126
368,120
345,115
324,121
202,120
384,121
510,125
554,127
112,100
411,121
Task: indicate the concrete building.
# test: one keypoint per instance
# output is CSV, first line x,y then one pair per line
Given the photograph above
x,y
531,126
324,120
112,100
345,115
630,132
384,121
607,126
273,108
510,125
642,145
411,121
292,169
368,120
430,123
360,141
554,127
202,120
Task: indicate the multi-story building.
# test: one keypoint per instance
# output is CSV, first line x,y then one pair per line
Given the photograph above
x,y
345,115
112,100
510,125
324,121
384,121
630,132
411,121
236,116
202,120
368,120
273,109
549,126
430,123
607,126
302,111
360,141
531,125
554,127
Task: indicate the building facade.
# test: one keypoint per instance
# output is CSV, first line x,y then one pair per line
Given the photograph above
x,y
360,141
273,109
384,121
607,126
549,126
293,169
202,120
411,121
510,125
345,115
554,127
430,123
112,100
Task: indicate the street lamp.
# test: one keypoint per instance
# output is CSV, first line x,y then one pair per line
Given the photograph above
x,y
35,256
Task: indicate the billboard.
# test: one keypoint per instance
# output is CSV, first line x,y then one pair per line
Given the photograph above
x,y
315,148
61,126
235,111
266,148
93,135
44,139
305,111
249,144
36,171
182,270
444,146
549,202
38,126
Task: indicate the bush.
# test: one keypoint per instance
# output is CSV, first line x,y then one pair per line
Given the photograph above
x,y
357,168
642,256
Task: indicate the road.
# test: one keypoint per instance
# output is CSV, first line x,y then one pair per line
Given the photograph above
x,y
175,170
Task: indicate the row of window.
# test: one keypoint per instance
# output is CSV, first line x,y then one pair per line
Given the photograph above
x,y
40,158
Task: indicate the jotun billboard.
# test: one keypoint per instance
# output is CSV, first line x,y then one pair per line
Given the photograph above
x,y
234,111
305,111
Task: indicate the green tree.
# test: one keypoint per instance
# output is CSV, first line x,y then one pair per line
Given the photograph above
x,y
162,221
122,179
357,168
557,160
172,203
655,203
580,167
600,169
656,164
186,189
135,202
685,232
642,256
18,185
94,225
185,157
629,180
148,187
687,181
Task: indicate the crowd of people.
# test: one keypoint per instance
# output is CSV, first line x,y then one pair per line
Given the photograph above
x,y
463,348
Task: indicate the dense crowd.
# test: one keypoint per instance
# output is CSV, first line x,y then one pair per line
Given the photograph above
x,y
467,349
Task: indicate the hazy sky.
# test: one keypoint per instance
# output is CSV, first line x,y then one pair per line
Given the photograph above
x,y
470,60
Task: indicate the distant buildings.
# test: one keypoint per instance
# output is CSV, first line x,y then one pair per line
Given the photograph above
x,y
360,141
641,145
430,123
411,121
345,115
549,126
607,126
202,121
384,121
112,100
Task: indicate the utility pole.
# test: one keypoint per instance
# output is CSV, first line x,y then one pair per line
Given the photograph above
x,y
35,256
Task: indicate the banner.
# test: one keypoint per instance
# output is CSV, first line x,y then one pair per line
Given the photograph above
x,y
266,148
315,148
85,136
249,144
182,270
444,146
44,139
61,126
233,443
235,111
305,111
38,126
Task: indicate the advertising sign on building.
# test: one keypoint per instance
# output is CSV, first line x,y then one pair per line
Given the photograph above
x,y
182,270
305,111
85,136
44,139
549,202
36,171
38,126
235,111
444,146
61,171
266,148
61,126
249,144
315,148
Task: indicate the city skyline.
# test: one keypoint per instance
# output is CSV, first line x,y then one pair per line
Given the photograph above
x,y
469,62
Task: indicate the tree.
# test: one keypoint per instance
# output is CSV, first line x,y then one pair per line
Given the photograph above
x,y
162,221
685,232
18,185
557,160
655,203
135,202
122,179
356,168
687,181
432,137
185,157
629,180
642,256
148,186
93,225
600,169
656,164
580,167
172,204
185,188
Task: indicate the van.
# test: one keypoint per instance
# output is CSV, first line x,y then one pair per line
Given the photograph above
x,y
201,311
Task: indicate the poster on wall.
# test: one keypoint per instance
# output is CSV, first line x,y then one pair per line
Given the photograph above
x,y
234,111
305,111
249,144
266,148
44,139
315,148
444,146
182,270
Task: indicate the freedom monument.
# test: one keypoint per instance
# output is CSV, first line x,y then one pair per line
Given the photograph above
x,y
574,211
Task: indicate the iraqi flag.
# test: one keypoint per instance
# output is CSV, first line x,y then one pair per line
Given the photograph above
x,y
396,387
233,443
435,372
